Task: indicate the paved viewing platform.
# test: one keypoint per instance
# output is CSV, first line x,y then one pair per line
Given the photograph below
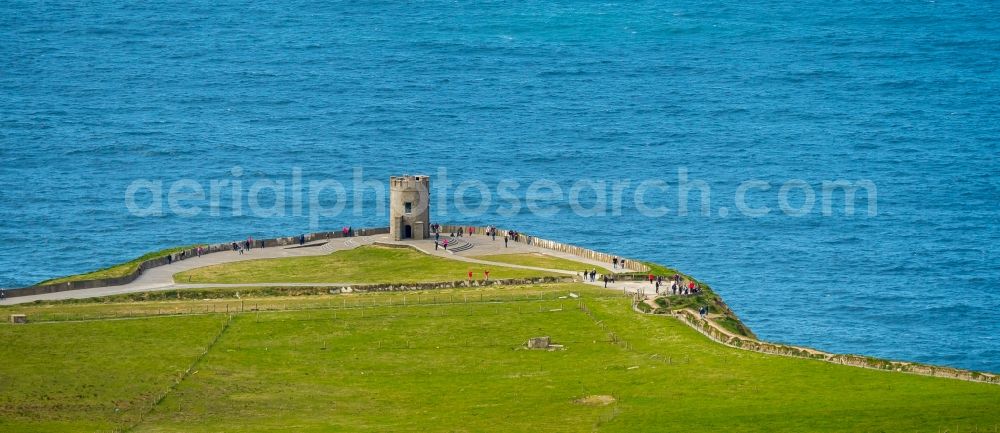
x,y
162,277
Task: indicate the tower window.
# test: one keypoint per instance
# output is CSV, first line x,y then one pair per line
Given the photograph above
x,y
407,207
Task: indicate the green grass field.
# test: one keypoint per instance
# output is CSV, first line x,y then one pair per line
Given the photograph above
x,y
94,375
437,361
538,260
119,270
367,264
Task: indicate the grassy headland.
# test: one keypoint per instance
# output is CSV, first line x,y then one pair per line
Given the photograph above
x,y
439,361
367,264
538,260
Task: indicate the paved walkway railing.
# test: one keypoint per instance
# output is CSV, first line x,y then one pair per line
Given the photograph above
x,y
630,264
182,255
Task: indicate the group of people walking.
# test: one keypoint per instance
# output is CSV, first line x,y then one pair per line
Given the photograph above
x,y
242,246
490,231
678,286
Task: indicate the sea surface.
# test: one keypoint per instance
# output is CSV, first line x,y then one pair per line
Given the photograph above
x,y
903,94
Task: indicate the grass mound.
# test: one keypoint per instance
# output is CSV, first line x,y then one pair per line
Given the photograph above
x,y
538,260
119,270
367,264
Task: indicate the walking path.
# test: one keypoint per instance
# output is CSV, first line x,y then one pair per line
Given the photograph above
x,y
162,277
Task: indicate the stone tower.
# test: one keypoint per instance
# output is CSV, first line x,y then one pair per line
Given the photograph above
x,y
409,207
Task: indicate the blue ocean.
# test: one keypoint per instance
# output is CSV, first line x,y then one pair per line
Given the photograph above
x,y
904,95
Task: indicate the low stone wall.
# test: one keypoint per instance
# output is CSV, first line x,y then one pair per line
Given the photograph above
x,y
409,287
714,332
630,264
182,255
312,237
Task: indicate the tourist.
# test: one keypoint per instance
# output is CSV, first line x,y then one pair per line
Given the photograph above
x,y
673,287
691,287
437,236
702,311
657,287
302,239
487,273
605,281
435,245
505,239
593,275
444,243
614,261
470,276
651,278
3,294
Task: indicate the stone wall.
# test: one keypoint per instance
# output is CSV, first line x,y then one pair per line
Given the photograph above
x,y
407,287
717,333
182,255
630,264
